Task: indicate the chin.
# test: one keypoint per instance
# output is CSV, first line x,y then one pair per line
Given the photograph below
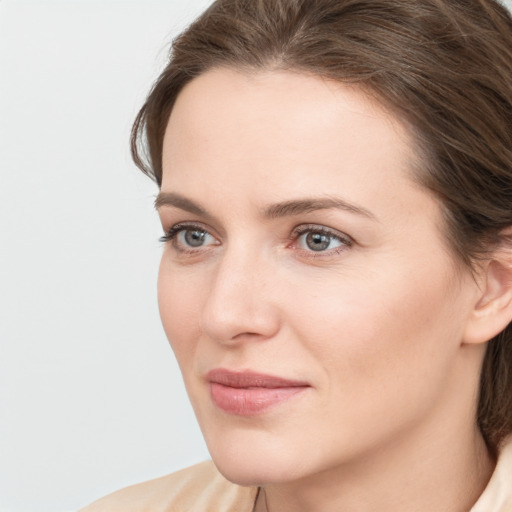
x,y
246,471
258,459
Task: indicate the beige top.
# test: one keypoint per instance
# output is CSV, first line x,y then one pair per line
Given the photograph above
x,y
201,488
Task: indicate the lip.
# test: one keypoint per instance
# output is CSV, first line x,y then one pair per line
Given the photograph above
x,y
247,393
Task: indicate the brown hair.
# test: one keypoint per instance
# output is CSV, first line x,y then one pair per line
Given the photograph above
x,y
444,65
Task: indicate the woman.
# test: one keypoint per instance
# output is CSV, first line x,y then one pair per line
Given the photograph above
x,y
335,190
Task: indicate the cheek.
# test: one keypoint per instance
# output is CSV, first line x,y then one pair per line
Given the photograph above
x,y
179,301
379,336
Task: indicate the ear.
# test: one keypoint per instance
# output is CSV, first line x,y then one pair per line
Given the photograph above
x,y
493,309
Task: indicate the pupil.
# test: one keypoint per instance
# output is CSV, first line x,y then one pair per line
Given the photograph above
x,y
317,241
194,238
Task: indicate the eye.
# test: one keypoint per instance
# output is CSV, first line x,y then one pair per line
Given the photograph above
x,y
320,239
189,237
193,237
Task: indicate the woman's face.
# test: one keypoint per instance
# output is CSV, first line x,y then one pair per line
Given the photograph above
x,y
305,287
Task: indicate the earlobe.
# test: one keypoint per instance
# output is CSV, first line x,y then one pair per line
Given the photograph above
x,y
493,310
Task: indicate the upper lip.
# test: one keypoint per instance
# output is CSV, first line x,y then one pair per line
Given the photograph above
x,y
250,379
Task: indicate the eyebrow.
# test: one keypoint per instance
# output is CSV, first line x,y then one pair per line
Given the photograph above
x,y
181,202
307,205
274,211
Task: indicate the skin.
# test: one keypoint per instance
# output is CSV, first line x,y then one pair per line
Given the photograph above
x,y
380,324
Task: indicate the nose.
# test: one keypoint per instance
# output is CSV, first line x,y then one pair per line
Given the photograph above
x,y
241,304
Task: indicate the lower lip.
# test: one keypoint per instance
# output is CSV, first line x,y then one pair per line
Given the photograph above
x,y
249,402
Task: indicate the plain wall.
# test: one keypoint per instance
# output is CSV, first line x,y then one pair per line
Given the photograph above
x,y
90,396
91,399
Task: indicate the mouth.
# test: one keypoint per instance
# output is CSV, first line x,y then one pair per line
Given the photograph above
x,y
248,393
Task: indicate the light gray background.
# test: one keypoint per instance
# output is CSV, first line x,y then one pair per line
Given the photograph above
x,y
91,399
90,396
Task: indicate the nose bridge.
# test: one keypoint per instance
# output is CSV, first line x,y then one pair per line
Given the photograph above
x,y
240,298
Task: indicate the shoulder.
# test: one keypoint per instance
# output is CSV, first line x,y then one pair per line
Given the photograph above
x,y
497,497
199,488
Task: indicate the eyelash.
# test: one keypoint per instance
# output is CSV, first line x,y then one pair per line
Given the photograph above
x,y
171,234
345,240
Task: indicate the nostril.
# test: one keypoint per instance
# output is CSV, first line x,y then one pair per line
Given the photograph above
x,y
244,322
250,335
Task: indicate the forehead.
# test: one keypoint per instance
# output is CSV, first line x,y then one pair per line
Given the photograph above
x,y
262,109
239,102
274,126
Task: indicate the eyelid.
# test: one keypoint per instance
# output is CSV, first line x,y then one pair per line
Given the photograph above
x,y
318,228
